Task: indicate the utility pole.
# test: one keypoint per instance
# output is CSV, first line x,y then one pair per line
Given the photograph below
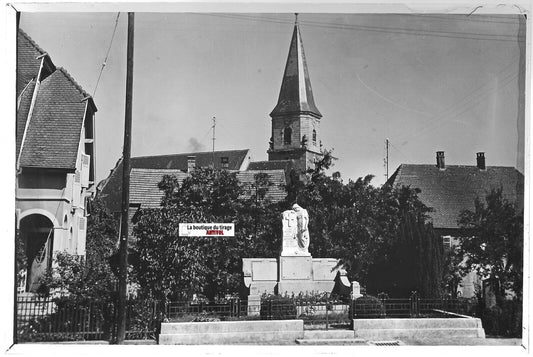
x,y
126,168
213,152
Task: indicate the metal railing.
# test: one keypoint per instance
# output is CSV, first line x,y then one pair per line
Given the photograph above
x,y
413,307
49,319
60,319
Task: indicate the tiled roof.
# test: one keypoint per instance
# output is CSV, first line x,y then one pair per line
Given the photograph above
x,y
22,113
111,188
53,134
276,190
144,189
27,63
453,190
296,94
271,165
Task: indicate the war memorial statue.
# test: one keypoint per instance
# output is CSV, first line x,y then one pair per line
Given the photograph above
x,y
295,271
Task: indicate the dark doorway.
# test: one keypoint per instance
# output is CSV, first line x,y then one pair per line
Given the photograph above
x,y
37,233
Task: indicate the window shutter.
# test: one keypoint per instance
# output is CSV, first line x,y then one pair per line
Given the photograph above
x,y
82,233
76,190
85,165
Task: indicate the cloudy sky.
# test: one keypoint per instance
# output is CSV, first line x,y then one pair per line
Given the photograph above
x,y
425,82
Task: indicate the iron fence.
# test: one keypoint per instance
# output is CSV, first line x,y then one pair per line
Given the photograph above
x,y
413,307
49,319
61,319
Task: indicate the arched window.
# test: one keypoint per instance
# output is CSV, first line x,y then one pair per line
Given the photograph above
x,y
287,133
314,137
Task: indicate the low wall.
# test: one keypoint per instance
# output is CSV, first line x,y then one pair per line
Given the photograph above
x,y
389,329
229,332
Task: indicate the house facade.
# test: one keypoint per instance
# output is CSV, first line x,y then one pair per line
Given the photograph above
x,y
451,189
55,160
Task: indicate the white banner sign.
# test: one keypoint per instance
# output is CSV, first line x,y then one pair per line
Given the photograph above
x,y
207,229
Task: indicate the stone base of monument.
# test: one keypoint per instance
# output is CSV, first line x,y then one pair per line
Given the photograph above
x,y
292,275
295,271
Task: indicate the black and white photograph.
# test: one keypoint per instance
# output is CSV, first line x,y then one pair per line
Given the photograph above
x,y
297,175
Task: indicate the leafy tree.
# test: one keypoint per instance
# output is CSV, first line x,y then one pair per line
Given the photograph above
x,y
177,267
89,277
491,243
380,234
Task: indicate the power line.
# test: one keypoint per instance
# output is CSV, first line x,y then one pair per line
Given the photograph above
x,y
450,115
460,17
106,55
392,30
474,96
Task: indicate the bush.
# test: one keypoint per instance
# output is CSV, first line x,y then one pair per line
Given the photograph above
x,y
503,321
366,307
205,317
275,307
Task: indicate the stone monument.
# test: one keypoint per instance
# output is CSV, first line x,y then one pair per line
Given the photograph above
x,y
295,271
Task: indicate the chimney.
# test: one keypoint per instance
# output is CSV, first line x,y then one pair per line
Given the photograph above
x,y
481,161
191,163
440,160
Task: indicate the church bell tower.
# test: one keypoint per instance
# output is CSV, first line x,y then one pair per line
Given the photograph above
x,y
296,119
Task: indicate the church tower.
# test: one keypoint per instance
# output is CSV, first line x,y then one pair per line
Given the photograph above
x,y
296,119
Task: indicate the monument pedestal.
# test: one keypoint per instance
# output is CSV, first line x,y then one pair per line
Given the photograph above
x,y
295,271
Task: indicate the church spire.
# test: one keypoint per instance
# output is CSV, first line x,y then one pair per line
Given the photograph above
x,y
296,94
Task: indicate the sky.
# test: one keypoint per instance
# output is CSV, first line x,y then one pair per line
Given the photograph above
x,y
426,83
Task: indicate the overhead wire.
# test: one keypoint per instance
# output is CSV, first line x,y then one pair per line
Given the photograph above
x,y
475,99
392,30
106,55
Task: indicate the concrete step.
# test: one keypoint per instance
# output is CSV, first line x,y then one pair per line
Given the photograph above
x,y
229,337
230,332
421,323
231,326
331,334
398,334
331,341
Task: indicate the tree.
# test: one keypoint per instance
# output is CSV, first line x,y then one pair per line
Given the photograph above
x,y
174,267
381,235
491,243
89,277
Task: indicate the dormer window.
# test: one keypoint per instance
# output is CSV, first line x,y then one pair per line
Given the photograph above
x,y
224,162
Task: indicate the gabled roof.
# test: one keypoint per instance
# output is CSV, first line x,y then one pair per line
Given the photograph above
x,y
28,60
296,94
454,189
111,187
144,189
53,134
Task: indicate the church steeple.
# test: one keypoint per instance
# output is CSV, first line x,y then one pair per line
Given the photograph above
x,y
296,94
296,119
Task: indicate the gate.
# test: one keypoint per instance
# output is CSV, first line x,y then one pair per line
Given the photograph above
x,y
324,315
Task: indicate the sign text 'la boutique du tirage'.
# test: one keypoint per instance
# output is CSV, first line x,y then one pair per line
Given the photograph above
x,y
207,229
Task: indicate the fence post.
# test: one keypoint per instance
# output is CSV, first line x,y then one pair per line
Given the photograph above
x,y
327,319
270,309
238,308
383,297
414,308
